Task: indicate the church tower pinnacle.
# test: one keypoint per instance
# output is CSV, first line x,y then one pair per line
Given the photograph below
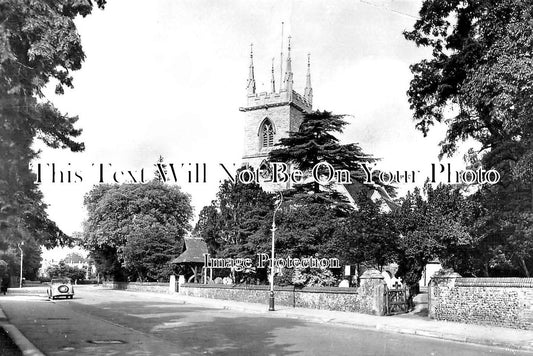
x,y
308,93
288,71
251,80
273,114
273,81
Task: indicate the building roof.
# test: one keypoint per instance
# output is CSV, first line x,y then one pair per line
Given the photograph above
x,y
355,188
195,248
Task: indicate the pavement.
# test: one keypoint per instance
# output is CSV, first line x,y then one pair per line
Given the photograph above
x,y
411,324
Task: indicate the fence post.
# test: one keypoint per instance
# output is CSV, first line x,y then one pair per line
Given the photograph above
x,y
181,280
172,284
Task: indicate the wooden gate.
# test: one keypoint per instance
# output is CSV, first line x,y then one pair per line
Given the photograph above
x,y
396,299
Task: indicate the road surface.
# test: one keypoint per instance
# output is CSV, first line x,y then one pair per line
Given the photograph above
x,y
109,322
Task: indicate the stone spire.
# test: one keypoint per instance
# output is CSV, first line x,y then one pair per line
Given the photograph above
x,y
273,81
308,94
251,79
288,71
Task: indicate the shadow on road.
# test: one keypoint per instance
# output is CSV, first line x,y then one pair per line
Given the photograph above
x,y
200,329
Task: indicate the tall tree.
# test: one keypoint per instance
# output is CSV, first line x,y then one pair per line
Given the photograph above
x,y
38,43
367,235
238,224
434,224
160,171
136,229
234,224
208,227
481,68
315,142
239,212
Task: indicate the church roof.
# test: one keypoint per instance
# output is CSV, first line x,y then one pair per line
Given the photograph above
x,y
355,188
195,248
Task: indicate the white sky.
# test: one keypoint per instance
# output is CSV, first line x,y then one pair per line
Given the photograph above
x,y
167,78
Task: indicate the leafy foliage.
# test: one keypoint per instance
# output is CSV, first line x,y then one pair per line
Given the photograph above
x,y
306,226
230,224
311,222
64,270
315,142
135,230
313,277
480,74
367,235
39,43
434,228
31,262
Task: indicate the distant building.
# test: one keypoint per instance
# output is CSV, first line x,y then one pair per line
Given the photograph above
x,y
45,264
76,260
73,260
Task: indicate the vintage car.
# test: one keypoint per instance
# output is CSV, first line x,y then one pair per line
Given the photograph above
x,y
60,287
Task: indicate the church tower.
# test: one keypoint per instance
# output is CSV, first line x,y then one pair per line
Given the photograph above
x,y
272,115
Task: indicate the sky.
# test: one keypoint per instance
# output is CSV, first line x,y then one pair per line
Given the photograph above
x,y
167,77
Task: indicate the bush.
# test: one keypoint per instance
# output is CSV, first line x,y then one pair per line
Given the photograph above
x,y
43,279
88,281
313,277
64,270
285,278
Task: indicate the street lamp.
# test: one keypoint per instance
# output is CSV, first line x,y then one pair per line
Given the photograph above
x,y
277,205
21,259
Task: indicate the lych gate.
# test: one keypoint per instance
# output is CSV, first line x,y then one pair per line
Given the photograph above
x,y
193,256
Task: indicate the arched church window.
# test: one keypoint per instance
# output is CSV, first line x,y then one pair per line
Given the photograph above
x,y
267,134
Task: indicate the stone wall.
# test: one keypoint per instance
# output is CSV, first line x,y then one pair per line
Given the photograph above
x,y
368,298
506,302
239,293
138,286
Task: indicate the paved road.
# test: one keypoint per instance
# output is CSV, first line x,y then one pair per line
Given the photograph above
x,y
107,322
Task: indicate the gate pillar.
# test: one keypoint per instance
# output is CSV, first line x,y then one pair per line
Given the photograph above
x,y
373,286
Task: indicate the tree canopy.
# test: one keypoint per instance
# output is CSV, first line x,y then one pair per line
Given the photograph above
x,y
64,270
478,81
39,45
134,230
315,142
228,224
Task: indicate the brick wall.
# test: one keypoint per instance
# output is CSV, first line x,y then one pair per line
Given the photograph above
x,y
506,302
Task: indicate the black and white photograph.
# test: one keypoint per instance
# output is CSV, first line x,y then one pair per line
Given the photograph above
x,y
256,177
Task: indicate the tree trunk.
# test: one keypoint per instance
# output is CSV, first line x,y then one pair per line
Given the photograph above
x,y
524,266
532,196
486,269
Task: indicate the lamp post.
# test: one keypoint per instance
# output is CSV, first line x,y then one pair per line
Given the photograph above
x,y
21,260
277,205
